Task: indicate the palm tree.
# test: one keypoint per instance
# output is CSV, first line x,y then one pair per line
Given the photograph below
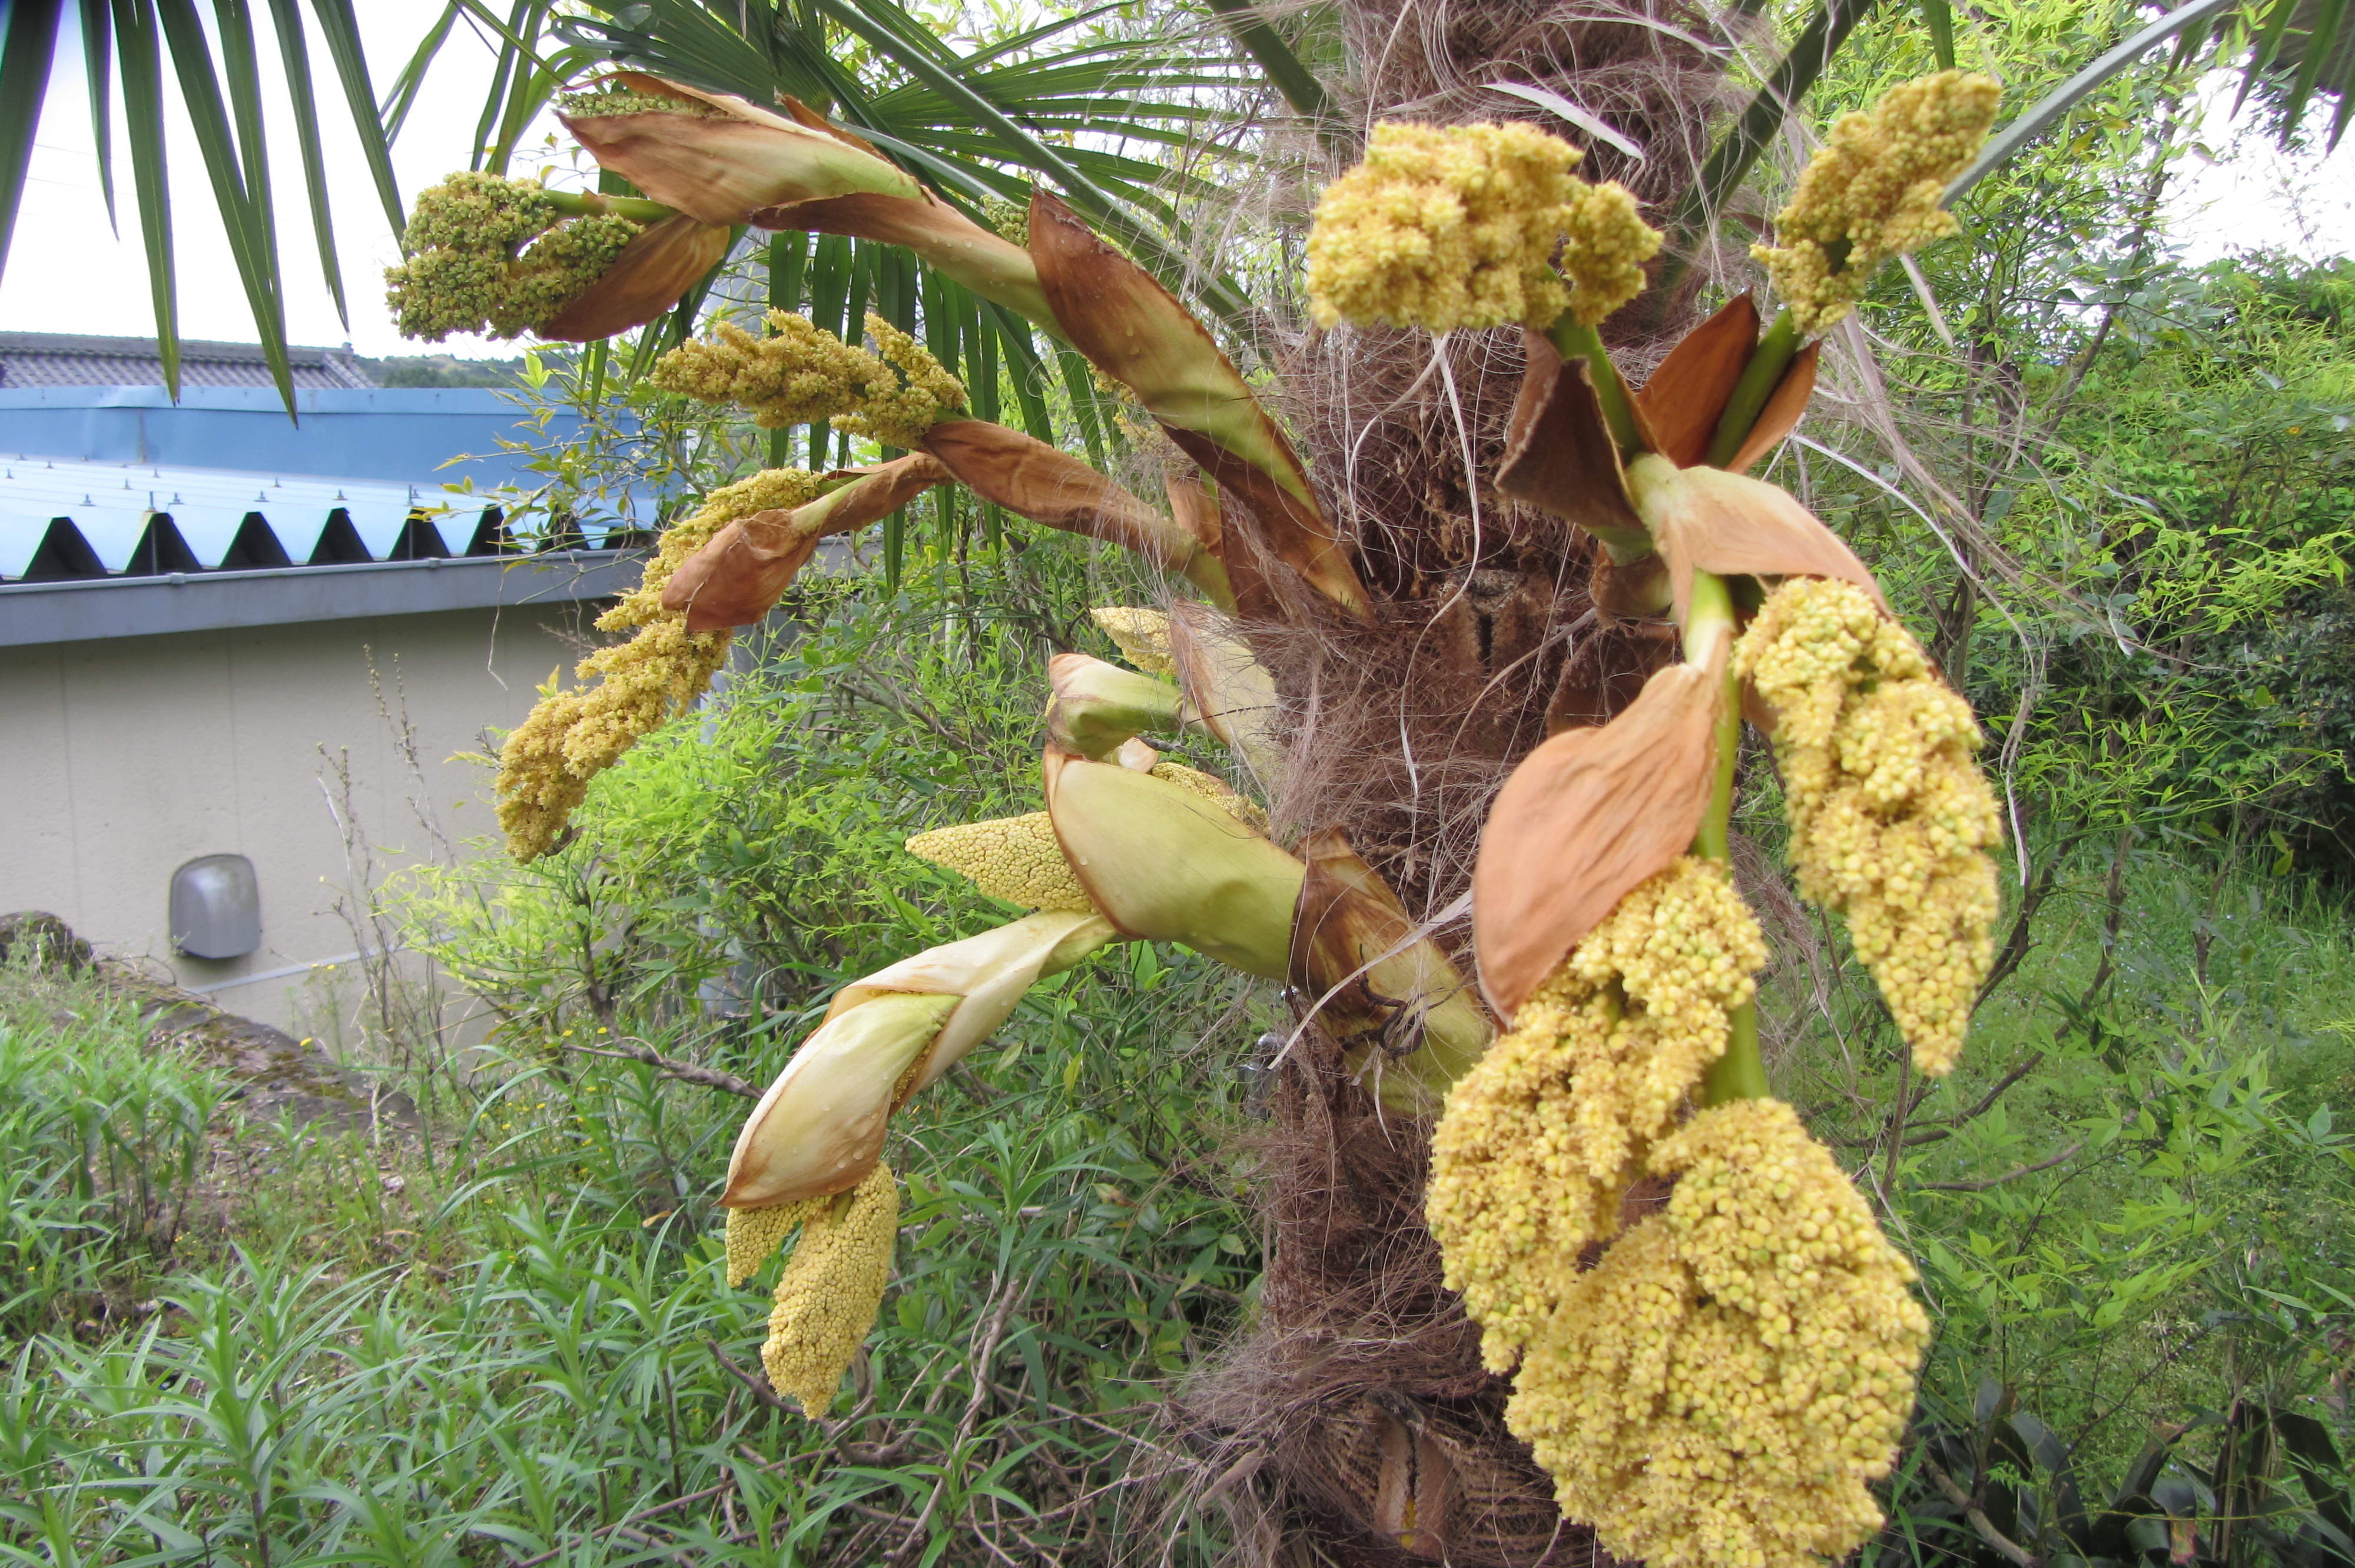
x,y
1460,603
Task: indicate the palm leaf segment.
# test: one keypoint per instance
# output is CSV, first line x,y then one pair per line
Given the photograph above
x,y
128,42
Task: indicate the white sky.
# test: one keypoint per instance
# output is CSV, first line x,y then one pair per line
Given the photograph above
x,y
68,273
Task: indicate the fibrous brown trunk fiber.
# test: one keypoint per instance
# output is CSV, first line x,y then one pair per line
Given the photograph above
x,y
1354,1424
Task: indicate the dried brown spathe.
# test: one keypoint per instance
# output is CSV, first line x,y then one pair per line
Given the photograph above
x,y
738,578
1136,332
1588,816
646,279
1025,475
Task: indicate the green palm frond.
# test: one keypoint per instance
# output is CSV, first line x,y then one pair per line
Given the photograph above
x,y
125,43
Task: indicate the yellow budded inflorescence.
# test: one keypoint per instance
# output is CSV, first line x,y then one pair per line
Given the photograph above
x,y
1215,789
923,395
795,375
1541,1139
491,254
754,1234
613,102
831,1290
1874,190
569,736
1017,859
1890,818
1445,227
1141,635
1719,1390
798,375
1604,255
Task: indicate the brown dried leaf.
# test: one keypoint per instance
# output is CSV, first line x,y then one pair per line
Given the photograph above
x,y
1783,406
738,578
663,263
1687,393
1195,505
1708,520
1558,450
1025,475
1136,330
1585,818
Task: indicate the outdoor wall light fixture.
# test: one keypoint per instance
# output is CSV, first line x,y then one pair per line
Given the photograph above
x,y
216,907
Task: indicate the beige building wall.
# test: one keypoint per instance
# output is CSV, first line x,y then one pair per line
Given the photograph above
x,y
123,759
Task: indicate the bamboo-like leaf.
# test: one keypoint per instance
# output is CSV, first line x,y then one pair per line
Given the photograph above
x,y
340,30
1938,16
26,49
1730,160
401,96
2046,112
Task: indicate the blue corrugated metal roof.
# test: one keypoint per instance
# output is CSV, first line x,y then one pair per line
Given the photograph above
x,y
111,505
385,434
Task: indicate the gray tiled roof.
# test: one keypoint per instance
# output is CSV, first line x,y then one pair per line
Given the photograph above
x,y
65,359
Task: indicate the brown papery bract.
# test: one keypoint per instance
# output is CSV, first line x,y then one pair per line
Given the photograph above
x,y
1687,394
738,578
1027,476
721,167
1560,454
1707,520
998,269
646,279
1783,406
1136,330
1585,819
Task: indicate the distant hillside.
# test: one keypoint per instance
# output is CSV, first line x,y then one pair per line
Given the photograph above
x,y
443,370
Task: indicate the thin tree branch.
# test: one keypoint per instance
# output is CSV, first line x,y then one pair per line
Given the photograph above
x,y
627,1050
2068,1154
1977,1517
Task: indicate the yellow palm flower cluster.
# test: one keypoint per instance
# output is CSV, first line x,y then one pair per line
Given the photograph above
x,y
613,102
1215,789
571,737
1445,227
798,375
1141,635
1604,255
1543,1137
469,270
831,1290
1891,819
1720,1390
1017,859
1873,192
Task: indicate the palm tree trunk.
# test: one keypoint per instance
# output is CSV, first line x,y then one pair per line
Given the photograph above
x,y
1354,1424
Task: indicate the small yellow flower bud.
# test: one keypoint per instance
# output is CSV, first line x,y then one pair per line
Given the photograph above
x,y
1873,192
832,1289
